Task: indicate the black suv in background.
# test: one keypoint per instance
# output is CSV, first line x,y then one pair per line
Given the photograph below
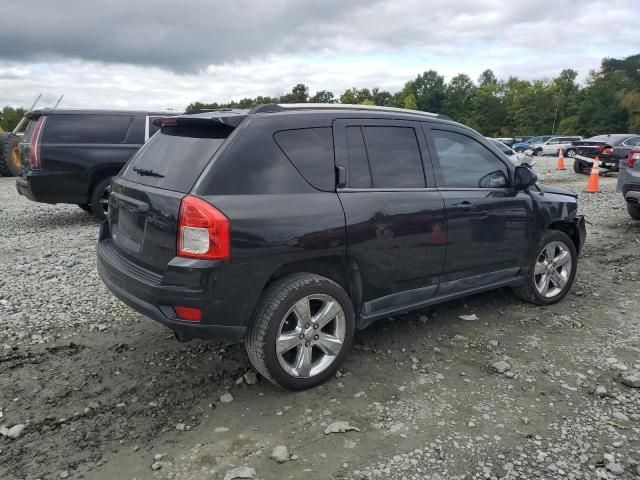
x,y
70,156
290,226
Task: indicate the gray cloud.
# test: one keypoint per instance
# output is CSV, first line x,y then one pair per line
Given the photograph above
x,y
188,36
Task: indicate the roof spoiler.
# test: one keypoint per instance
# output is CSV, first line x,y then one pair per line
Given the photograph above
x,y
229,121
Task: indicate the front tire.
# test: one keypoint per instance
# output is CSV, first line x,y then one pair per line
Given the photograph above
x,y
552,271
100,199
302,330
538,153
634,210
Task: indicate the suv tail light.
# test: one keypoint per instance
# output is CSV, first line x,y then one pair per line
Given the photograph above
x,y
634,156
35,160
203,231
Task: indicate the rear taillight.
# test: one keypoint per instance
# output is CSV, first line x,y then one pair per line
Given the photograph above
x,y
634,156
607,151
203,231
35,160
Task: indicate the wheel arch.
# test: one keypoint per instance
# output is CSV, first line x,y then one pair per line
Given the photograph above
x,y
570,229
101,174
341,269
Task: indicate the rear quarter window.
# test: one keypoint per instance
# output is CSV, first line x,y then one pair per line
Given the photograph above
x,y
311,152
174,158
71,128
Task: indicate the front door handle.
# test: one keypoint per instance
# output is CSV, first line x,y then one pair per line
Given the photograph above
x,y
464,206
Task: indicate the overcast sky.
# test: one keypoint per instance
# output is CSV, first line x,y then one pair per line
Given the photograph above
x,y
168,53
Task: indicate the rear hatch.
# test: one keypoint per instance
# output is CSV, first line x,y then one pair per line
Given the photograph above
x,y
145,198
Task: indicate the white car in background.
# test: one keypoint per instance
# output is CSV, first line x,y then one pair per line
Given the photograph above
x,y
553,146
515,157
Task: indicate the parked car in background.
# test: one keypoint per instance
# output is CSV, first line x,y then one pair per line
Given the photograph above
x,y
520,147
610,148
506,140
630,183
515,157
70,156
289,226
520,138
553,145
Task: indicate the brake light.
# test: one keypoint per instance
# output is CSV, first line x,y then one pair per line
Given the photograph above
x,y
191,314
35,160
203,231
634,156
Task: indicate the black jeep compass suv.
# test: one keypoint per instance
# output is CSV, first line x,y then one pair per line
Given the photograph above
x,y
290,226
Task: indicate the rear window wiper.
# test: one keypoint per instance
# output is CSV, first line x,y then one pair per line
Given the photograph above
x,y
147,173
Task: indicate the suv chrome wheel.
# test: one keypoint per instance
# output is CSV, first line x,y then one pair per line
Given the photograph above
x,y
311,336
553,269
104,200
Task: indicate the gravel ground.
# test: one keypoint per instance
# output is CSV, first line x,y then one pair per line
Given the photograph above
x,y
90,389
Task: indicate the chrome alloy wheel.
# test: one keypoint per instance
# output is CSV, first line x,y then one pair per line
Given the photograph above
x,y
104,200
553,269
311,335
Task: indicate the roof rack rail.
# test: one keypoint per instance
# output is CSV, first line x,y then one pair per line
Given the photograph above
x,y
283,107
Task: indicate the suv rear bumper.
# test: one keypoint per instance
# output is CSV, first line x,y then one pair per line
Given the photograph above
x,y
145,292
47,187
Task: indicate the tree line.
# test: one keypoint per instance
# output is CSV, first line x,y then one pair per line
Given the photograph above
x,y
609,102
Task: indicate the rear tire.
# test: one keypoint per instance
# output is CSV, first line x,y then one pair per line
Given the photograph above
x,y
279,321
571,152
554,265
100,199
9,154
86,207
634,210
581,167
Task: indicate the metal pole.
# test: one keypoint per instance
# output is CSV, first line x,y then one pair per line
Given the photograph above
x,y
33,105
58,102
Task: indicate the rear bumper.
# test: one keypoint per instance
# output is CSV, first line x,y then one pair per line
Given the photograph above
x,y
145,292
606,163
54,187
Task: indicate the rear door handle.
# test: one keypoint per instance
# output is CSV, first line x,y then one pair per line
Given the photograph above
x,y
464,206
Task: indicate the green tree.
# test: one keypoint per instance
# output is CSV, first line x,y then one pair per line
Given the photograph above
x,y
10,116
429,91
458,101
410,102
323,96
298,94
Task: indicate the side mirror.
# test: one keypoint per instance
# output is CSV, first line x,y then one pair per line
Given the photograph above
x,y
524,178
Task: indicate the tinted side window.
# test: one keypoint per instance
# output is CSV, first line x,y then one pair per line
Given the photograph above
x,y
359,175
466,163
311,152
394,157
86,128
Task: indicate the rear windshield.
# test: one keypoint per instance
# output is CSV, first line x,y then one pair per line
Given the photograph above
x,y
81,128
174,158
28,131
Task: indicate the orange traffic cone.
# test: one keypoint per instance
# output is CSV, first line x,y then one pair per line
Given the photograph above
x,y
560,165
593,185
